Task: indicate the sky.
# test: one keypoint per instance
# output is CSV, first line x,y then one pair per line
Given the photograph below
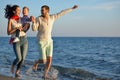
x,y
93,18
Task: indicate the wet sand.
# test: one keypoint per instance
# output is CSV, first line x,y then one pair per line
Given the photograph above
x,y
2,77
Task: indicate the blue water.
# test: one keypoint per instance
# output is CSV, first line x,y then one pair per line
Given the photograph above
x,y
75,58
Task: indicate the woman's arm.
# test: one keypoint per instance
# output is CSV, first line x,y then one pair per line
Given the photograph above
x,y
10,30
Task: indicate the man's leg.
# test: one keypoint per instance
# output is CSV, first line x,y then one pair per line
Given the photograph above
x,y
42,52
49,59
35,66
48,66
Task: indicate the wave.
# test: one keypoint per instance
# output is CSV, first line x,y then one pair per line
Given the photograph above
x,y
61,73
56,72
77,74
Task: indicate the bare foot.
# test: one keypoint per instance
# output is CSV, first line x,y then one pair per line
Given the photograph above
x,y
35,66
12,69
18,76
46,77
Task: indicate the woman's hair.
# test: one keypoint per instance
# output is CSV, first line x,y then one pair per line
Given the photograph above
x,y
9,10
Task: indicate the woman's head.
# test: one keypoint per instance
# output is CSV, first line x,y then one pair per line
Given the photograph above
x,y
10,11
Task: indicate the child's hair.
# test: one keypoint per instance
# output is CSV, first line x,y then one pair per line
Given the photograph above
x,y
9,10
26,8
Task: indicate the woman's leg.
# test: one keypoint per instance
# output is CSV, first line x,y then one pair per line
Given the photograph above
x,y
24,50
16,48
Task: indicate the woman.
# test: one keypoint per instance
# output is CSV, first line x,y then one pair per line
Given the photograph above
x,y
12,13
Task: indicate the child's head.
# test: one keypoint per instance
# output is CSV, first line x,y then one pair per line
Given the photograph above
x,y
10,11
25,11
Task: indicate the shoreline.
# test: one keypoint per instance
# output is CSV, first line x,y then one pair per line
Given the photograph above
x,y
3,77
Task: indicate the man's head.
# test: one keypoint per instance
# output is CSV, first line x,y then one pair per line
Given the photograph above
x,y
44,10
25,11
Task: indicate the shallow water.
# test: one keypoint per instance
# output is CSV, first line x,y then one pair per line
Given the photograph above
x,y
78,58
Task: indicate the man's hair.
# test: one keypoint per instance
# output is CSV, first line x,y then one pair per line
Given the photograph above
x,y
26,8
46,7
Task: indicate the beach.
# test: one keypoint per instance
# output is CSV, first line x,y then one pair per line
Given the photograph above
x,y
74,58
2,77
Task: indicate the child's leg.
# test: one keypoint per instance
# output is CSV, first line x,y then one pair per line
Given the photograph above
x,y
17,35
26,27
17,32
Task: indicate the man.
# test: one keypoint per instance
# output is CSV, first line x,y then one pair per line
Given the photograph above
x,y
43,24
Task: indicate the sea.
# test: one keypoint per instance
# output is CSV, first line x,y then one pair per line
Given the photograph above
x,y
74,58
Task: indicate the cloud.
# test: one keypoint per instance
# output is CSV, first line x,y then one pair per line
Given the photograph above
x,y
103,6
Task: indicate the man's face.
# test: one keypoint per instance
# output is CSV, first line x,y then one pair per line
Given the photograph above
x,y
44,11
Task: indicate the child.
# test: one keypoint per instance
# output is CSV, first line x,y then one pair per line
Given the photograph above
x,y
24,21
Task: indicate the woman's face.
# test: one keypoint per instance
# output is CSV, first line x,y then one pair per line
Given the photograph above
x,y
17,11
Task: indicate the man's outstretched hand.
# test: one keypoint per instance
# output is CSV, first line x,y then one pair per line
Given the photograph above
x,y
32,18
75,6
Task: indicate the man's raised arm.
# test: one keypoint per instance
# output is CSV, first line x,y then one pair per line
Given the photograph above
x,y
63,12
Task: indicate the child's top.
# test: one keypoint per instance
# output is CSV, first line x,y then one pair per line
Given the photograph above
x,y
25,19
